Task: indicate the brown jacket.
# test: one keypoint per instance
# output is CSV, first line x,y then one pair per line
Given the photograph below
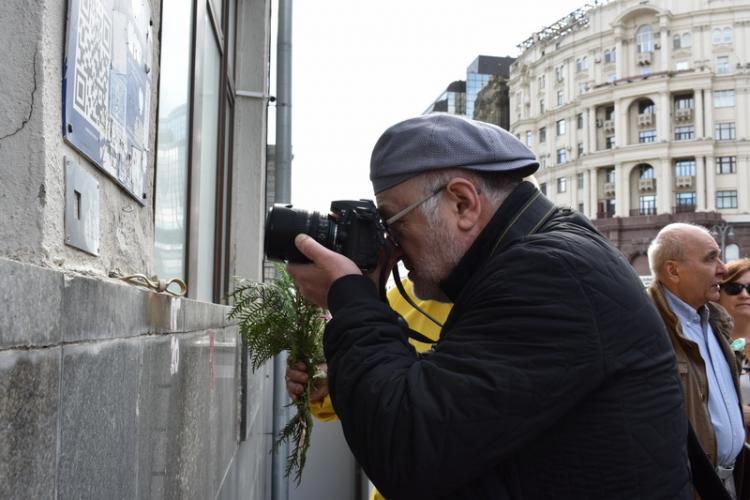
x,y
692,369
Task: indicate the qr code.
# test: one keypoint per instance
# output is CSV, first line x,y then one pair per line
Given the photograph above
x,y
92,63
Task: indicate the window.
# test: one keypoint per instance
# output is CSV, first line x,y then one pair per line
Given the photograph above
x,y
726,35
579,181
562,156
723,98
726,199
562,184
610,175
647,172
582,87
647,204
724,131
645,136
646,106
681,41
609,56
716,36
542,81
684,168
687,41
541,106
560,125
559,73
683,102
610,142
719,35
543,188
609,113
542,134
529,138
685,201
580,149
682,65
560,97
722,65
684,133
726,164
677,42
644,39
579,121
582,64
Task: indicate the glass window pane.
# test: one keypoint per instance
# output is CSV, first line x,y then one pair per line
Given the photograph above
x,y
170,206
209,128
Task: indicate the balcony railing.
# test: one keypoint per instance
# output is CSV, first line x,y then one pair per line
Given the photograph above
x,y
609,126
684,208
683,181
644,58
605,215
609,189
648,184
683,115
643,211
645,119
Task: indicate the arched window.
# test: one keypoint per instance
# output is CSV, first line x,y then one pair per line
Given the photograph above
x,y
727,37
687,40
644,39
647,172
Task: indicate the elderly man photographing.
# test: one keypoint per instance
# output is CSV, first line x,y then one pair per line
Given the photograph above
x,y
686,263
553,376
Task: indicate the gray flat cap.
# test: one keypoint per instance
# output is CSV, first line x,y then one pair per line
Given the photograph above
x,y
443,140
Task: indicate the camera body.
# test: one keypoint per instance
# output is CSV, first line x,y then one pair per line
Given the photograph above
x,y
353,229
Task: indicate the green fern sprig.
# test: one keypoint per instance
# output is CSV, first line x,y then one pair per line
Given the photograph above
x,y
273,318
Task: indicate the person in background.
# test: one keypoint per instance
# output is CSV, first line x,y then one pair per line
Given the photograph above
x,y
735,298
687,268
320,400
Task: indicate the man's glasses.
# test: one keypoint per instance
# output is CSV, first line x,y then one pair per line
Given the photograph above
x,y
735,288
402,213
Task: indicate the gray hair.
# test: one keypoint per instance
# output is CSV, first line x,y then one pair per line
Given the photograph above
x,y
669,244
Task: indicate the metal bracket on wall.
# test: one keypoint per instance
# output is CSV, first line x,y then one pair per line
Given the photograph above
x,y
81,208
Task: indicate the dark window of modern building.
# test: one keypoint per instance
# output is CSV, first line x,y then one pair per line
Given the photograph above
x,y
726,199
684,168
724,131
579,121
684,133
726,164
560,126
647,204
542,134
562,184
645,136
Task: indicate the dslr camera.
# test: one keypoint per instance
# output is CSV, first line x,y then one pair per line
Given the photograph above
x,y
353,229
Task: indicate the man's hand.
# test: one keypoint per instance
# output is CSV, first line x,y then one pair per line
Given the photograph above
x,y
296,379
314,280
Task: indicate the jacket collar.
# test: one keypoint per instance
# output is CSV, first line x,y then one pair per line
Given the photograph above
x,y
522,212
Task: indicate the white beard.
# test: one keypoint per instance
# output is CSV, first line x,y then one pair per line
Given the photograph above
x,y
433,268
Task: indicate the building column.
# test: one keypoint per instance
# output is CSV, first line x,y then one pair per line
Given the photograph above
x,y
621,124
622,191
619,55
593,179
591,128
711,185
662,118
702,165
743,179
708,113
666,47
664,188
700,131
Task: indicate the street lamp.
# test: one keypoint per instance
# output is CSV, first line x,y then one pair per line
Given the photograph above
x,y
721,232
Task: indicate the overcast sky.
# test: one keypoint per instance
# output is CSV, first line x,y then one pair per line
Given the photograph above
x,y
359,67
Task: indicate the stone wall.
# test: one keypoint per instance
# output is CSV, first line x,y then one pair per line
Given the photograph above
x,y
111,391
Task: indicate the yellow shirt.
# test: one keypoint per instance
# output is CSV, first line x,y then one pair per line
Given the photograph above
x,y
323,410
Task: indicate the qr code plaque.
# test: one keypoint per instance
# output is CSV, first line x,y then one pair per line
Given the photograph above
x,y
107,87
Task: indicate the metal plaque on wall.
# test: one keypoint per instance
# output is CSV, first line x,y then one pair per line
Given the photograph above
x,y
107,87
81,208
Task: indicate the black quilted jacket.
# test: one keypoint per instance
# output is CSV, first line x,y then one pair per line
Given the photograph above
x,y
553,377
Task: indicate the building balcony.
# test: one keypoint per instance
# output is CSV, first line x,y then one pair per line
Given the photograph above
x,y
609,189
609,126
684,208
647,184
608,214
684,181
683,115
644,58
646,120
642,211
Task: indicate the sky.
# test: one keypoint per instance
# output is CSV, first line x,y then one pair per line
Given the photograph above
x,y
360,66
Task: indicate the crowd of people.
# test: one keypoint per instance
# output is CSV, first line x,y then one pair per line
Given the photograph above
x,y
554,375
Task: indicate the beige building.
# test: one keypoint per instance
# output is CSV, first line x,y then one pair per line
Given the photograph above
x,y
638,112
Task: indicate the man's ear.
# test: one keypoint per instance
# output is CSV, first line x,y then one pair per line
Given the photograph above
x,y
465,202
671,271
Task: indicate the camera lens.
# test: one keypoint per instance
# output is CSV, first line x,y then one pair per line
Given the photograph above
x,y
284,223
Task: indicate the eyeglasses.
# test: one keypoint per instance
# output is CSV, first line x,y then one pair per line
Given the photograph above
x,y
402,213
735,288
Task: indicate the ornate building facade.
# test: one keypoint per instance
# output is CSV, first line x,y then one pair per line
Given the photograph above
x,y
638,112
